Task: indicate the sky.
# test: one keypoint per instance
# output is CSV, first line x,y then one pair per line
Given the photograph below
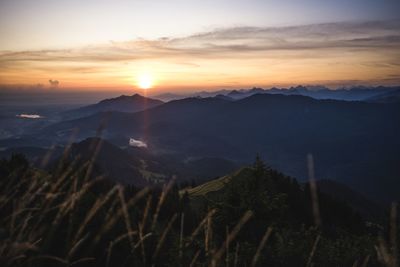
x,y
179,45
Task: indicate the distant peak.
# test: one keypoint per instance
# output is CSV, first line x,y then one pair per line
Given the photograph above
x,y
123,97
234,92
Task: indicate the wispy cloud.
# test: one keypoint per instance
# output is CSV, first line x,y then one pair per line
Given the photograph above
x,y
374,44
365,35
29,116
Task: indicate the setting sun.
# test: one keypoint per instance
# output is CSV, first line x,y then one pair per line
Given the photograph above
x,y
145,81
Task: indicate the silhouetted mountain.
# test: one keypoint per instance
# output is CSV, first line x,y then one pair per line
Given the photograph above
x,y
240,94
111,161
235,94
224,97
139,167
204,94
386,97
274,198
122,103
359,93
354,142
169,96
354,93
183,168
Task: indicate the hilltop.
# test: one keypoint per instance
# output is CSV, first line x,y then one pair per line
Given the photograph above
x,y
123,103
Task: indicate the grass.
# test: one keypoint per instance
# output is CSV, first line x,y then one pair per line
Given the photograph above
x,y
69,219
213,185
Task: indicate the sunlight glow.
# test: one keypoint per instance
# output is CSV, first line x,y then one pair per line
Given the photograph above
x,y
145,81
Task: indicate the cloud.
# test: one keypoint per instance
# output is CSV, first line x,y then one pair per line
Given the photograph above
x,y
343,35
29,116
54,83
137,143
220,42
229,53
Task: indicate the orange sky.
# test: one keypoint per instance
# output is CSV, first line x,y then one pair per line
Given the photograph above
x,y
332,54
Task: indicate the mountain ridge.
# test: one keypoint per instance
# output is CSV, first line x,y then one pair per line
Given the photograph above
x,y
283,128
122,103
352,93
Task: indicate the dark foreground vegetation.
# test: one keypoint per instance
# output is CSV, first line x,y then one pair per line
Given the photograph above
x,y
253,217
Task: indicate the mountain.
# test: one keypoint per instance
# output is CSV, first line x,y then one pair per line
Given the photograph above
x,y
224,97
139,167
122,103
354,93
273,198
235,94
355,143
37,156
204,94
242,93
386,97
185,169
112,162
169,96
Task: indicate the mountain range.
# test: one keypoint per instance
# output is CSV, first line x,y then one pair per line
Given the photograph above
x,y
354,93
353,142
392,96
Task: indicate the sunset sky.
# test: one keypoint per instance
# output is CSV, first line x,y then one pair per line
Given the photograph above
x,y
197,45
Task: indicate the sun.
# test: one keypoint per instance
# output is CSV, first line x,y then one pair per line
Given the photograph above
x,y
145,81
